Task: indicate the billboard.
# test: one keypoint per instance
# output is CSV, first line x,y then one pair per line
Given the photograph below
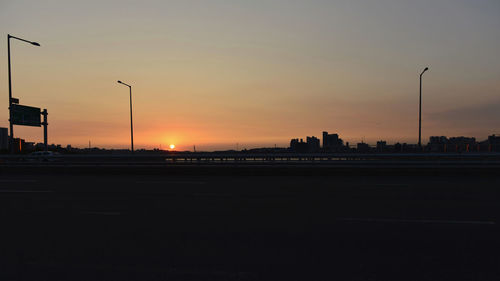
x,y
25,115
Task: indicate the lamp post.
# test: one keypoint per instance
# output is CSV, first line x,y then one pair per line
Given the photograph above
x,y
11,124
131,126
420,112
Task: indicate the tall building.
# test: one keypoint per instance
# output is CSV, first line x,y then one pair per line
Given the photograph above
x,y
4,139
332,142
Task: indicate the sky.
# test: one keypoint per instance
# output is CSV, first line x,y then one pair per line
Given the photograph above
x,y
221,74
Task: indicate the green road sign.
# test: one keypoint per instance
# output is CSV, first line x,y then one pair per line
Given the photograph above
x,y
25,115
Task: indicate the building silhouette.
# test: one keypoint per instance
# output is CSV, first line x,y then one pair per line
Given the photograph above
x,y
382,146
492,144
297,145
332,143
462,144
362,147
398,147
4,139
19,145
437,144
312,144
453,144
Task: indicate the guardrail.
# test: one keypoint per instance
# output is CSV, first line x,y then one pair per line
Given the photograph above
x,y
224,158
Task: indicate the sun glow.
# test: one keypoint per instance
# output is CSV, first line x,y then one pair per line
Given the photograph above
x,y
172,146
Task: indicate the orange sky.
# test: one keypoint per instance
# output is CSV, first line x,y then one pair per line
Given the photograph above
x,y
257,73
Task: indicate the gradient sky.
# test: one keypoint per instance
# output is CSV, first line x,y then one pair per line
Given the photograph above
x,y
216,73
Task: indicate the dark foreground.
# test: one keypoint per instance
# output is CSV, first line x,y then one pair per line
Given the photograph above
x,y
249,226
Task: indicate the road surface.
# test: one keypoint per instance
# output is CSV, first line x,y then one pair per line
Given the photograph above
x,y
244,226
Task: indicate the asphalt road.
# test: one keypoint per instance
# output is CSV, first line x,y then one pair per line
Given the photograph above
x,y
125,226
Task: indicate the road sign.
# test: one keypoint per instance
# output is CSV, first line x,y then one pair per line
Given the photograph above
x,y
25,115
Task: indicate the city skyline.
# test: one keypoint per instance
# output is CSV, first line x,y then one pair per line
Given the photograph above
x,y
212,76
326,143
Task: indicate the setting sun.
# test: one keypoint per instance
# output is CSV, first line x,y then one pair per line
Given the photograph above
x,y
172,146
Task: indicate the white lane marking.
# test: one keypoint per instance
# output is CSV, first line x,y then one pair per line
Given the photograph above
x,y
16,181
417,221
172,182
101,213
24,191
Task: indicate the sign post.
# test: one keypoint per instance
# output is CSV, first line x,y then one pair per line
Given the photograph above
x,y
13,100
44,113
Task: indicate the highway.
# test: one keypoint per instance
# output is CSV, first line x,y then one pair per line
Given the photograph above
x,y
197,223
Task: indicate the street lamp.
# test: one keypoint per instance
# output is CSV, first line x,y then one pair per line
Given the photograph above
x,y
11,139
131,127
420,112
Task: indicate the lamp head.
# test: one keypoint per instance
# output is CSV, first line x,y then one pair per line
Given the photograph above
x,y
35,43
120,82
425,69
